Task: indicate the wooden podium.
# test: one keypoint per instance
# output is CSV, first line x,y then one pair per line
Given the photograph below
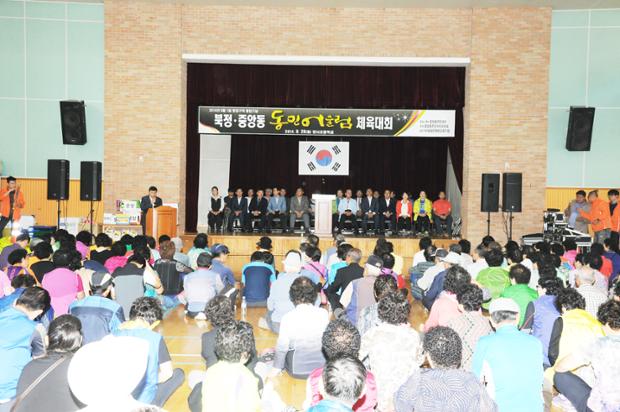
x,y
161,221
323,214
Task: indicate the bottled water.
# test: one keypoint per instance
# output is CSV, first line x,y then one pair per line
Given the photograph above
x,y
244,309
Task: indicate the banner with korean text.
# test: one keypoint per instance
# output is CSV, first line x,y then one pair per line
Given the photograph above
x,y
324,158
325,122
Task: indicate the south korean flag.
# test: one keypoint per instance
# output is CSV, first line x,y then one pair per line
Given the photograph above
x,y
324,158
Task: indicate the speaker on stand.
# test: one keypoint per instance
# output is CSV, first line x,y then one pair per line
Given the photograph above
x,y
90,186
57,183
489,196
511,196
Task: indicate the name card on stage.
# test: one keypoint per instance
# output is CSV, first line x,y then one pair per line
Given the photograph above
x,y
326,122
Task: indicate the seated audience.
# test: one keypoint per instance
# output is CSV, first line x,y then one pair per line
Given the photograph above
x,y
258,211
279,302
589,263
120,363
370,211
341,339
451,260
298,349
238,207
466,258
519,291
45,379
331,254
43,252
422,211
21,340
276,209
220,254
102,251
21,242
404,213
479,262
387,212
98,313
509,362
594,296
63,284
299,210
470,325
179,256
118,258
345,275
602,355
215,217
542,313
426,280
18,264
442,215
446,306
201,286
446,385
369,316
83,241
15,289
347,212
161,380
256,278
313,267
597,249
171,272
200,246
392,349
388,269
343,382
229,385
494,278
417,271
419,256
359,293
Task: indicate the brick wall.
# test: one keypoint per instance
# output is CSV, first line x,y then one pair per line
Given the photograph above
x,y
145,80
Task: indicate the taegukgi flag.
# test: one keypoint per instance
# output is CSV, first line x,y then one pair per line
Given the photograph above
x,y
324,158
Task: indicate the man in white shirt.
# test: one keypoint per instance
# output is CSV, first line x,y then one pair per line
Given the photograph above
x,y
479,262
298,349
426,280
419,256
594,296
347,211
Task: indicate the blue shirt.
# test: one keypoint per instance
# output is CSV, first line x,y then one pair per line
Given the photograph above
x,y
331,273
272,278
224,271
277,204
279,302
99,316
327,405
515,362
347,204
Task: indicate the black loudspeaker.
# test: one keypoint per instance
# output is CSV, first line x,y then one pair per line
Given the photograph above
x,y
511,192
57,179
489,200
73,122
579,136
90,181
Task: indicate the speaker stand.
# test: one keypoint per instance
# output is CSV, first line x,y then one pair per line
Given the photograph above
x,y
92,215
510,217
488,223
58,214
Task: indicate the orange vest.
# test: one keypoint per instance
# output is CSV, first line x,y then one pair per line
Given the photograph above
x,y
5,204
599,210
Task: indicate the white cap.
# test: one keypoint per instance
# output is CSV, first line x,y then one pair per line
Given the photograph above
x,y
503,304
292,259
453,258
109,369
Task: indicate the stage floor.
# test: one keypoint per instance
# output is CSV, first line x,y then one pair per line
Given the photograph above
x,y
242,245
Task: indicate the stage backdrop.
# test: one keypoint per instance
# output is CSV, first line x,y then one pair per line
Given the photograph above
x,y
399,163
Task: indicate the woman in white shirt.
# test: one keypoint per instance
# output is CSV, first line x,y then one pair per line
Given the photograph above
x,y
404,212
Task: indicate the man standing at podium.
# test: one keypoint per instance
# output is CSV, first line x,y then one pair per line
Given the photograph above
x,y
150,201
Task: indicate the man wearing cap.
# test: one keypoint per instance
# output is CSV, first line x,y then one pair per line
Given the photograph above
x,y
510,362
494,278
426,280
450,259
279,302
21,242
359,293
99,314
220,254
201,286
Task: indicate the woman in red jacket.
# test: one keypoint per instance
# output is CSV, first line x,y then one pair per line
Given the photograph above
x,y
404,212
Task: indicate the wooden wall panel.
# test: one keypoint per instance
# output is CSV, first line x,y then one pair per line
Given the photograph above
x,y
35,194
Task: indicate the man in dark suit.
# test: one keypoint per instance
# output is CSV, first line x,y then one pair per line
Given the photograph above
x,y
227,200
344,276
370,211
387,212
150,201
258,210
238,207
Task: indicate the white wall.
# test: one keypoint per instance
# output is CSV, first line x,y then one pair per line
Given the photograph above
x,y
214,171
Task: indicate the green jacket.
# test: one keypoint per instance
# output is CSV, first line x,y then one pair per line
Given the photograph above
x,y
523,295
495,279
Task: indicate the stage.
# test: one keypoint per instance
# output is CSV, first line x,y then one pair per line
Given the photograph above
x,y
242,245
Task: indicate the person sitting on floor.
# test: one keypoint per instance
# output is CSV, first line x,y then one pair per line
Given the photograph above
x,y
595,297
200,246
369,316
161,380
388,269
63,284
519,291
279,302
344,276
343,383
451,260
229,385
445,386
52,393
298,349
99,314
118,258
256,278
21,242
42,251
391,350
313,267
494,278
446,306
201,286
359,294
171,274
102,251
603,355
18,264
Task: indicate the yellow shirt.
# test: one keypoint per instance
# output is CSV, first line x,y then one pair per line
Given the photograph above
x,y
230,387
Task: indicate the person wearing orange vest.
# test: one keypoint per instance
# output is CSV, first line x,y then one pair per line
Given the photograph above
x,y
11,203
599,217
614,211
